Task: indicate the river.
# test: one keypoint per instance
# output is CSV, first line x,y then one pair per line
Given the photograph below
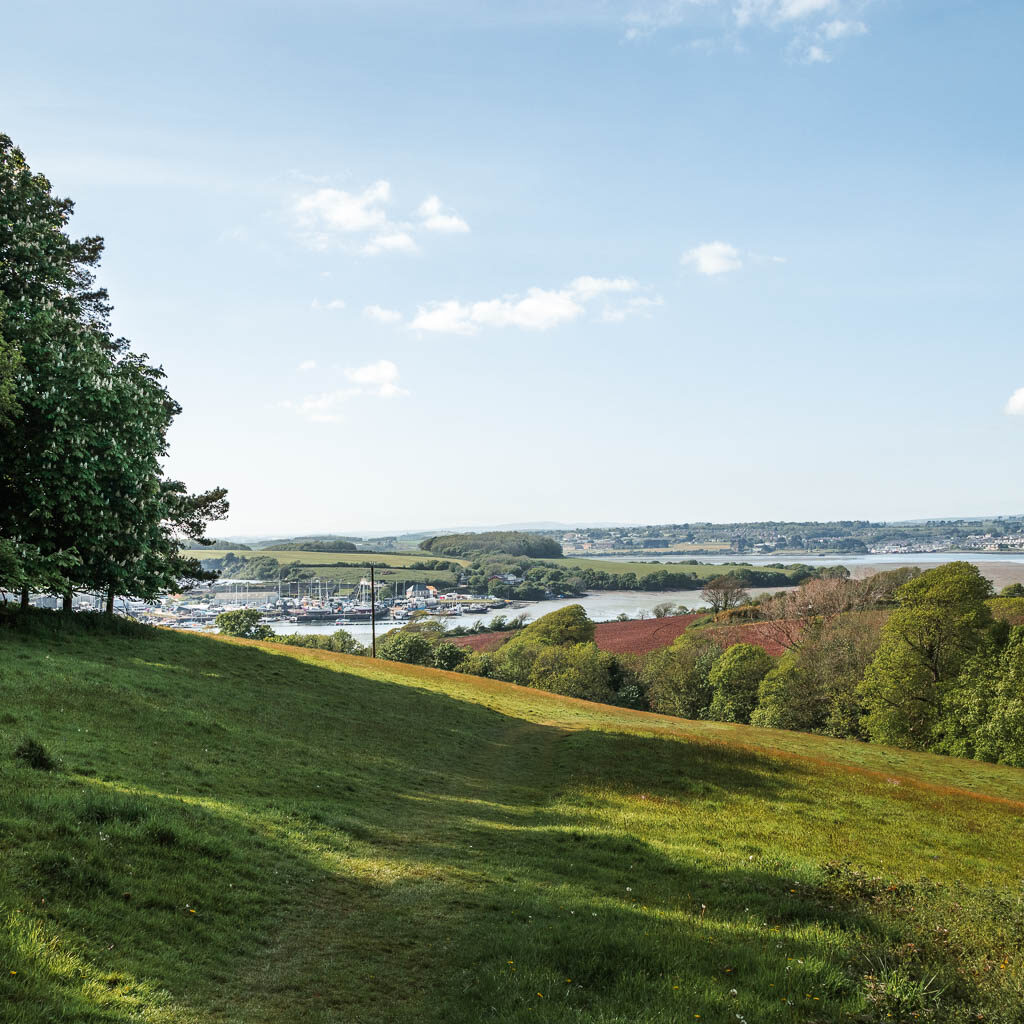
x,y
601,606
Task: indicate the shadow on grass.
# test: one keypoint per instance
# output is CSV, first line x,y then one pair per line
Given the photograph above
x,y
278,840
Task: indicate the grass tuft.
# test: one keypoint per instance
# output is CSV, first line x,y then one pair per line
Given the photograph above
x,y
34,755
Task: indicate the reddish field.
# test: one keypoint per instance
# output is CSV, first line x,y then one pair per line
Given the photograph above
x,y
634,637
766,635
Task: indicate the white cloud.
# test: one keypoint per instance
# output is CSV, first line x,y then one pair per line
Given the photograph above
x,y
330,209
308,364
837,29
585,288
435,218
330,216
332,304
714,258
396,240
638,305
539,309
720,25
647,18
1015,406
377,379
790,10
382,315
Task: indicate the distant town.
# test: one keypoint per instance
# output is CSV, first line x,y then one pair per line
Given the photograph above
x,y
997,534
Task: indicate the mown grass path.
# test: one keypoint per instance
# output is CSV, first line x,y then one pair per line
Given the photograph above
x,y
253,833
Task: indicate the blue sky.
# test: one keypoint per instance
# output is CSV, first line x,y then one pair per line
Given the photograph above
x,y
412,264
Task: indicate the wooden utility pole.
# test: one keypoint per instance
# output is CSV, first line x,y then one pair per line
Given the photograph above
x,y
373,616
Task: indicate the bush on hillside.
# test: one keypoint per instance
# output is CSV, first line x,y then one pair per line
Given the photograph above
x,y
244,623
814,687
339,642
569,625
421,644
676,679
735,679
34,755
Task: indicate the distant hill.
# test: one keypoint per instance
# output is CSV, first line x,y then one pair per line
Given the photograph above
x,y
343,544
510,542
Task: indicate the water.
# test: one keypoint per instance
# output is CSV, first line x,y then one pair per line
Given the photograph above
x,y
601,606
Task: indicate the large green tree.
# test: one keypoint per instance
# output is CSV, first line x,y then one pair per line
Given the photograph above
x,y
942,621
83,420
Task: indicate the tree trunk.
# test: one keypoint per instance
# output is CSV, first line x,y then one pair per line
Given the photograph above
x,y
67,602
110,600
24,598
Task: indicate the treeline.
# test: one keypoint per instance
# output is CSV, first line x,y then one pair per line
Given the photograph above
x,y
341,546
84,502
507,542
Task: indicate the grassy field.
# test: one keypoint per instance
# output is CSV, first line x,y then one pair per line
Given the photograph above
x,y
253,833
646,568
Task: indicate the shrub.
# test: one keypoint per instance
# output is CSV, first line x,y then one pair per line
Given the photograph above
x,y
244,623
34,755
574,670
406,646
676,678
735,680
449,656
569,625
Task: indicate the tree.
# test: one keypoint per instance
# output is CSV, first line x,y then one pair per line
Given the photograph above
x,y
941,622
574,670
1013,590
724,592
815,686
10,359
83,420
406,646
735,680
664,608
244,623
568,625
676,679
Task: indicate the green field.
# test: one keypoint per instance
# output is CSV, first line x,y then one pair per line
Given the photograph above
x,y
646,568
253,833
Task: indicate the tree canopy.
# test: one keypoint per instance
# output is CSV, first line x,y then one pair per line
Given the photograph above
x,y
508,542
84,504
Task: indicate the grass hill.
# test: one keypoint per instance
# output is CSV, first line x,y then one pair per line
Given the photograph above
x,y
239,832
